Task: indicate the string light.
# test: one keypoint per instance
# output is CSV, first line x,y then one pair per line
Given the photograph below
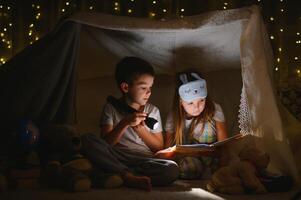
x,y
154,2
272,37
130,11
164,10
276,69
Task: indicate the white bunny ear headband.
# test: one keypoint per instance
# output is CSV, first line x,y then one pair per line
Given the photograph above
x,y
190,91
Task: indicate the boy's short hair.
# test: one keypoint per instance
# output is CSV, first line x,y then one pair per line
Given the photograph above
x,y
129,68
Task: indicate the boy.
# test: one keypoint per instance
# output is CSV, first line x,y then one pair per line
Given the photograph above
x,y
130,145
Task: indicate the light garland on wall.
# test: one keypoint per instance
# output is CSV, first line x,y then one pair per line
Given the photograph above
x,y
32,27
5,33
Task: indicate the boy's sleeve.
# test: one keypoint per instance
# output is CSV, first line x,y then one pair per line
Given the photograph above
x,y
169,124
106,117
219,114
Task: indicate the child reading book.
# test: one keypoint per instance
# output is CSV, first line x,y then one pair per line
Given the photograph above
x,y
195,119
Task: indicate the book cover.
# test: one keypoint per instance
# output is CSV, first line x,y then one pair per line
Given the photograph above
x,y
192,148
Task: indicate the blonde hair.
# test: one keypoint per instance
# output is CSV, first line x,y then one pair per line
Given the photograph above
x,y
179,112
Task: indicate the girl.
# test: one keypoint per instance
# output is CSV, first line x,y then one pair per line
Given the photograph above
x,y
195,118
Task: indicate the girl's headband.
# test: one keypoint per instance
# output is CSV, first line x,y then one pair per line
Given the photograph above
x,y
190,91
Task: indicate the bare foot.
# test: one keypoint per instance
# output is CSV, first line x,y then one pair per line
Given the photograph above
x,y
140,182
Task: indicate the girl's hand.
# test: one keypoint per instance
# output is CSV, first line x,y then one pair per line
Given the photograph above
x,y
168,153
135,119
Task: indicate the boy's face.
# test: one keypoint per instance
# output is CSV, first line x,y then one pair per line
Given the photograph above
x,y
140,89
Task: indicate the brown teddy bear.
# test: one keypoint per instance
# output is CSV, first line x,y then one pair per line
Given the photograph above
x,y
65,167
241,175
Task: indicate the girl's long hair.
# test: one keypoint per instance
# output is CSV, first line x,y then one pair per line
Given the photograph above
x,y
179,112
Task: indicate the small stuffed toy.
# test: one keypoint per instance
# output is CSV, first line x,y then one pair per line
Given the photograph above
x,y
65,167
241,175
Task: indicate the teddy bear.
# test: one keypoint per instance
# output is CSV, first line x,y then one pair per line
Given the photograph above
x,y
65,167
241,175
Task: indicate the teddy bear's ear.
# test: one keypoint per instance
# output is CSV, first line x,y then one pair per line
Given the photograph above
x,y
255,155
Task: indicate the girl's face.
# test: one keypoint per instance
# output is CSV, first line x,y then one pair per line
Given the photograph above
x,y
193,108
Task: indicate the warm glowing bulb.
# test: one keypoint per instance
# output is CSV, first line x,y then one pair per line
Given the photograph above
x,y
298,33
282,10
296,58
1,6
272,37
116,8
182,10
164,10
31,25
8,8
91,7
298,71
36,38
280,49
8,46
38,7
67,3
154,2
276,69
63,10
281,30
30,33
10,24
130,11
272,18
2,34
225,3
116,4
5,29
225,7
152,14
278,59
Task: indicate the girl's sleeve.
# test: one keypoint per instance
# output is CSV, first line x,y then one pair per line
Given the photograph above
x,y
219,114
169,124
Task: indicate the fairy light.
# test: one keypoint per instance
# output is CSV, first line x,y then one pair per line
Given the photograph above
x,y
298,33
152,14
279,49
272,37
296,58
276,68
130,11
154,2
278,59
164,10
182,10
281,30
91,7
272,18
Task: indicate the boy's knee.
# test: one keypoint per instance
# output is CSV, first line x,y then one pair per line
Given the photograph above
x,y
171,172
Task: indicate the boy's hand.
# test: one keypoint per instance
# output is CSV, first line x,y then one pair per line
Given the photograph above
x,y
135,119
168,153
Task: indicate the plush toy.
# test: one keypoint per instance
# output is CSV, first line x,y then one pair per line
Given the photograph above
x,y
65,167
241,175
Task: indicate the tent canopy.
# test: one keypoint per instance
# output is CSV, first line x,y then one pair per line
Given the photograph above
x,y
66,76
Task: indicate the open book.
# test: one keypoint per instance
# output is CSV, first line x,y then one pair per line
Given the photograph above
x,y
195,148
